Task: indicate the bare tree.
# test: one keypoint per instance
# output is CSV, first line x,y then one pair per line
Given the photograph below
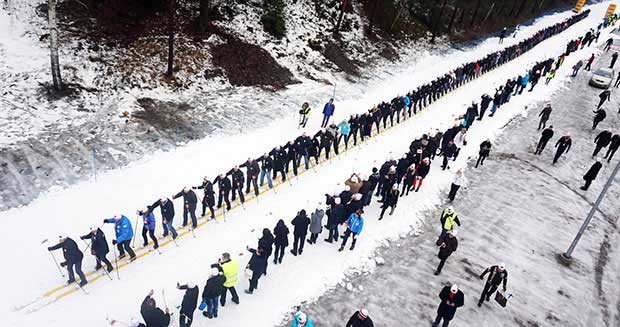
x,y
204,14
53,26
171,10
473,18
438,21
343,5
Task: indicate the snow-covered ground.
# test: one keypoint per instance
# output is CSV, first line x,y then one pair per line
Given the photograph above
x,y
518,209
54,144
75,208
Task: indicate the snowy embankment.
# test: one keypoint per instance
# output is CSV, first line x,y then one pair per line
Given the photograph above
x,y
521,210
126,190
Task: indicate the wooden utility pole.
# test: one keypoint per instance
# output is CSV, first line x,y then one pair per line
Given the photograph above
x,y
171,10
473,18
343,5
53,26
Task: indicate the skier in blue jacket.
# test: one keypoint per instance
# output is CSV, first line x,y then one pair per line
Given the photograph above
x,y
355,224
344,129
524,82
149,227
124,233
328,111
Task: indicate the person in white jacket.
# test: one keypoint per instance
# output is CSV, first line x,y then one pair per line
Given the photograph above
x,y
460,141
459,180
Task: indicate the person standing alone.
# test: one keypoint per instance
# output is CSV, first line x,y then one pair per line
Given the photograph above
x,y
328,111
451,299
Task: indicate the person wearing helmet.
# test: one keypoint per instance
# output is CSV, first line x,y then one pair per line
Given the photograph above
x,y
451,299
188,306
73,258
301,320
189,205
447,245
497,275
124,234
360,318
98,247
391,200
448,218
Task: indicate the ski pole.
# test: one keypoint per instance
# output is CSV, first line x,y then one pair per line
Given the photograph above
x,y
164,296
135,230
116,262
55,262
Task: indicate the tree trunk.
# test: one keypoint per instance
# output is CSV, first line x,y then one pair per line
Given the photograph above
x,y
171,10
204,14
521,8
488,12
512,9
460,22
456,9
372,16
473,18
438,21
343,4
400,12
53,26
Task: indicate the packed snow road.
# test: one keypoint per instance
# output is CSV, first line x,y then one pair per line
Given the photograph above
x,y
518,209
299,278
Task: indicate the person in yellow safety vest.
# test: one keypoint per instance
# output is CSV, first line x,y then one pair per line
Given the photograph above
x,y
448,219
304,114
550,75
230,270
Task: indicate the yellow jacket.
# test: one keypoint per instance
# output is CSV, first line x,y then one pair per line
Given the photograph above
x,y
231,269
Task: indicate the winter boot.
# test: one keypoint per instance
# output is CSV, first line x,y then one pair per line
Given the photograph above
x,y
341,248
83,282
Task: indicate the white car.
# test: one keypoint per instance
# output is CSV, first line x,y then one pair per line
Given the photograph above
x,y
602,78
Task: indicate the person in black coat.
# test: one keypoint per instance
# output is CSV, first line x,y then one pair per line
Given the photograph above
x,y
497,275
189,205
451,299
189,303
335,216
258,265
167,215
279,160
544,116
420,173
603,96
292,152
360,319
591,175
266,244
599,116
98,247
484,104
237,183
447,245
602,140
563,145
613,147
302,145
73,258
300,222
391,200
252,175
224,186
152,315
326,138
485,149
408,180
448,151
266,166
209,197
212,291
546,135
280,240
